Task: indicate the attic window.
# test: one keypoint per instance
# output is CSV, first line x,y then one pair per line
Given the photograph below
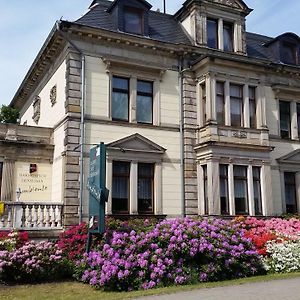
x,y
133,20
289,53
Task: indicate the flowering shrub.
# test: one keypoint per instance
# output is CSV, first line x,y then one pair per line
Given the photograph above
x,y
12,240
33,262
72,242
174,252
263,231
283,257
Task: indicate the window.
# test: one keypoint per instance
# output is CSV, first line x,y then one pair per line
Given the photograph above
x,y
290,193
1,169
224,195
257,191
203,96
133,20
212,33
236,105
220,103
298,119
145,188
252,107
144,102
289,53
285,119
204,168
240,190
120,187
228,37
120,98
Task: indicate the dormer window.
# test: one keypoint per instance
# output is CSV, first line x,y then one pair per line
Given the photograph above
x,y
228,36
212,33
133,20
289,53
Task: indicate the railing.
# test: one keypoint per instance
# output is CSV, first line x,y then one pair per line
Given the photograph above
x,y
31,216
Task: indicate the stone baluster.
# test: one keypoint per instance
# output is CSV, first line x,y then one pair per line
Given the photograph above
x,y
58,216
34,216
52,215
9,217
28,216
2,222
23,219
47,216
40,217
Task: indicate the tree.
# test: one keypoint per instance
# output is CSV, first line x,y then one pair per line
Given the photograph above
x,y
9,114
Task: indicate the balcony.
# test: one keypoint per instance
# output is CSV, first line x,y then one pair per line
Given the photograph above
x,y
231,135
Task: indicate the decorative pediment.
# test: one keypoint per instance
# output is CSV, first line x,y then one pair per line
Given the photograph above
x,y
236,4
291,158
136,143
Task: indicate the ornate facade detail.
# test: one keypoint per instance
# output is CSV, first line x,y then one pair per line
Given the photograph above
x,y
230,3
36,109
53,95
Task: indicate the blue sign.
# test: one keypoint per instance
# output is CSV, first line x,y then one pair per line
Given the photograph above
x,y
98,193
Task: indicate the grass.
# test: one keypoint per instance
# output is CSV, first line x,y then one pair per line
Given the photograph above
x,y
78,291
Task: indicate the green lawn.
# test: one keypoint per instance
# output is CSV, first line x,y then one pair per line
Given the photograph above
x,y
78,291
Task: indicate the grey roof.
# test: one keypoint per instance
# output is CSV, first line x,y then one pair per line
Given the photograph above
x,y
256,46
162,27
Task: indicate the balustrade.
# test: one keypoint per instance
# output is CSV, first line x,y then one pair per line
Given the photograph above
x,y
31,216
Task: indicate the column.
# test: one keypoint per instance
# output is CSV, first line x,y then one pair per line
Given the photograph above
x,y
132,99
201,200
211,109
238,37
213,188
227,103
250,191
246,106
158,207
133,205
231,190
294,121
7,192
156,103
220,34
109,180
263,107
267,200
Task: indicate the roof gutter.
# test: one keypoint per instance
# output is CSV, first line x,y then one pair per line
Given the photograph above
x,y
82,118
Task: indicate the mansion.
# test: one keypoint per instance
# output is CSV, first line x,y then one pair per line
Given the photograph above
x,y
199,116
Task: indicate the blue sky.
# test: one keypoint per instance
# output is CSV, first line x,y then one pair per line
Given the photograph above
x,y
24,26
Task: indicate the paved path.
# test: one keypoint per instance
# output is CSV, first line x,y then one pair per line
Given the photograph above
x,y
271,290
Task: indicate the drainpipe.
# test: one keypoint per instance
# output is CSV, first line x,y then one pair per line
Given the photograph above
x,y
82,120
182,180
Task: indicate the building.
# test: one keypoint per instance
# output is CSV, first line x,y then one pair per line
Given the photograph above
x,y
200,117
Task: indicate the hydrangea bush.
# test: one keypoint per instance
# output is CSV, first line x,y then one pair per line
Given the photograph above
x,y
283,257
12,240
33,262
180,251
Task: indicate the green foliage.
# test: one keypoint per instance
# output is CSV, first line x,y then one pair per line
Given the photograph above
x,y
9,114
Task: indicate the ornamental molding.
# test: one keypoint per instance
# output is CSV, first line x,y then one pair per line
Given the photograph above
x,y
53,95
230,3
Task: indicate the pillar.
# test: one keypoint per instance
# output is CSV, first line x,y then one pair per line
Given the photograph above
x,y
109,181
7,192
133,205
294,121
267,200
158,207
246,106
213,188
220,34
227,103
231,190
250,191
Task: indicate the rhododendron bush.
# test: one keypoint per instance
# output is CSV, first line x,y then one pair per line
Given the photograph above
x,y
12,240
33,262
174,252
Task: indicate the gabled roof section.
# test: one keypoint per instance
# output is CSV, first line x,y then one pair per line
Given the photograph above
x,y
283,37
137,143
162,27
237,4
291,158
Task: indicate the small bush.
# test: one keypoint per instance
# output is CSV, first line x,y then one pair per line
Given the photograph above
x,y
12,240
33,263
72,242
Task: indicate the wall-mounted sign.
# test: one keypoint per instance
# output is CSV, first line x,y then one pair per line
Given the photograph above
x,y
34,180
